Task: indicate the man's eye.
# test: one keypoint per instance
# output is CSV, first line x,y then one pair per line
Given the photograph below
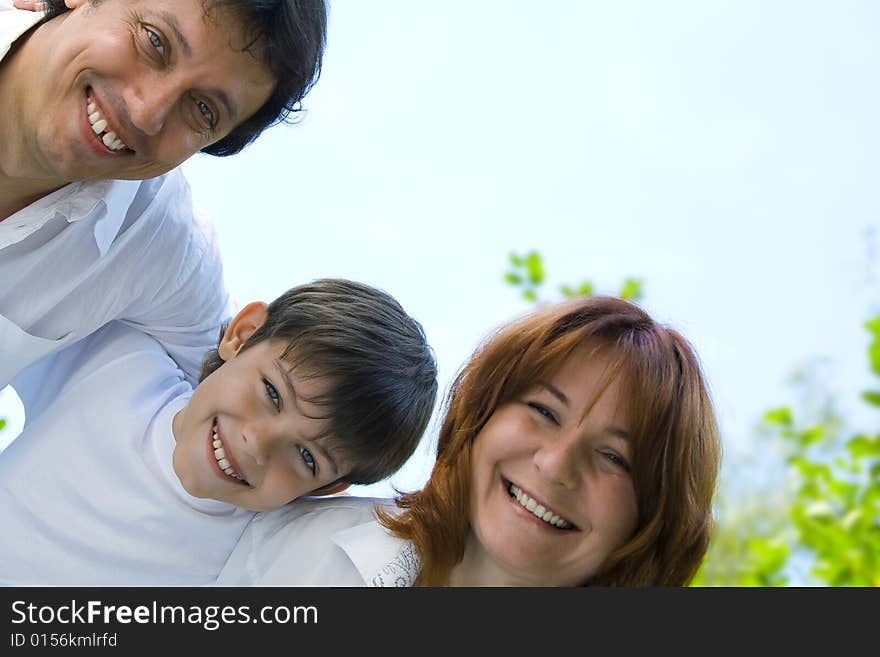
x,y
156,42
544,411
206,112
308,459
272,394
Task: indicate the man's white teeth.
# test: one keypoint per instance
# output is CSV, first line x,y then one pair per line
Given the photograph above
x,y
112,142
99,125
220,455
536,509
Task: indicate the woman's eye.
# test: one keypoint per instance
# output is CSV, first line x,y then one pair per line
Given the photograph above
x,y
206,112
308,459
272,394
156,42
543,410
617,460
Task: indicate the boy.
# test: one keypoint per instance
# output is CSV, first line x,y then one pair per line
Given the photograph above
x,y
125,475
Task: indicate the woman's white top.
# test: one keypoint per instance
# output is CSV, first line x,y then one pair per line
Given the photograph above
x,y
330,541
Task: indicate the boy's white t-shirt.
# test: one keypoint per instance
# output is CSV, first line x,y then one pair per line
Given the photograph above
x,y
88,495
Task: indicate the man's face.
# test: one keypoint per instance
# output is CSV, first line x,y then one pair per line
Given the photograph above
x,y
132,89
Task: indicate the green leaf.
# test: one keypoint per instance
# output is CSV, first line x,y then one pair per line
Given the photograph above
x,y
567,291
811,435
529,295
515,260
632,289
2,424
873,325
780,416
535,267
586,289
513,278
872,397
864,446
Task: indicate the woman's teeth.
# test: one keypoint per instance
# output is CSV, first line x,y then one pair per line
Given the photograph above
x,y
220,455
536,509
99,125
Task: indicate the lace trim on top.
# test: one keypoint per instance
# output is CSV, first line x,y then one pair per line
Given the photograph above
x,y
401,571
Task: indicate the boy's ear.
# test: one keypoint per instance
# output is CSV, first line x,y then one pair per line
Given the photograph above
x,y
73,4
242,326
330,489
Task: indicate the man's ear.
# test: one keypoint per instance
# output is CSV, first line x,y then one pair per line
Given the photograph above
x,y
331,489
73,4
242,326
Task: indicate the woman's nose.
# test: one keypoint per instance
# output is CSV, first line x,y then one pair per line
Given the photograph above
x,y
557,460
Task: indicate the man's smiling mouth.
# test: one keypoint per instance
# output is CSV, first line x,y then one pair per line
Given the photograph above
x,y
100,127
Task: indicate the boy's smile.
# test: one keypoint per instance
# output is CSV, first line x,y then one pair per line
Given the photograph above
x,y
227,465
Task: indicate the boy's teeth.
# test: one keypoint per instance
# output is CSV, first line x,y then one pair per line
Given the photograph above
x,y
536,509
220,455
98,126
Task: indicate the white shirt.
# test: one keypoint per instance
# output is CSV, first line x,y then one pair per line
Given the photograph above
x,y
330,541
92,252
88,494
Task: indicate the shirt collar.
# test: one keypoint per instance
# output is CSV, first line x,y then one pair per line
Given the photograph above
x,y
107,200
380,558
117,196
14,23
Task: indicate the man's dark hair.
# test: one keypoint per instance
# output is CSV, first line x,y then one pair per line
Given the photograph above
x,y
378,369
289,36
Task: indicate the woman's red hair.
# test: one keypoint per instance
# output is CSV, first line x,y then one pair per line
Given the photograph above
x,y
676,446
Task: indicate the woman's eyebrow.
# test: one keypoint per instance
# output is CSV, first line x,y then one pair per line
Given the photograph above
x,y
617,433
556,392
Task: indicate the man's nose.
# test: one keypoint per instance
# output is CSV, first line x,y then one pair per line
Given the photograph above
x,y
150,102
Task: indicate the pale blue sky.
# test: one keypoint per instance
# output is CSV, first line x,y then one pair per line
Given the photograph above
x,y
725,152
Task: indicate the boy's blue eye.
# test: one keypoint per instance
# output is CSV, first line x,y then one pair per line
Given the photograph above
x,y
272,394
308,459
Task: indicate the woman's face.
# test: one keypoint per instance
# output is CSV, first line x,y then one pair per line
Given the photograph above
x,y
543,454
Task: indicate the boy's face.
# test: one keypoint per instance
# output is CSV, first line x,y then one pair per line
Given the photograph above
x,y
248,435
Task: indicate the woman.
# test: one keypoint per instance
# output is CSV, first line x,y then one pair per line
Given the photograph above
x,y
579,446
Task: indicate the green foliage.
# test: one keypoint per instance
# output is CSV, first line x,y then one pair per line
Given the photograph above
x,y
527,275
832,511
2,424
836,511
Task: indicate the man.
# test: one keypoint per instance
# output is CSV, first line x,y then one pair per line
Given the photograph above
x,y
98,90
